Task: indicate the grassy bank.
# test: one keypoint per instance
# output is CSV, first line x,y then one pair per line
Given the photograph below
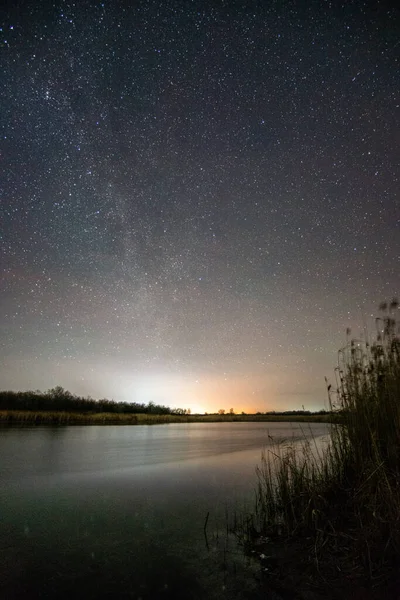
x,y
21,417
331,521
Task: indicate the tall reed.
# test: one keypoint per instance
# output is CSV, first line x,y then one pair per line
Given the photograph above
x,y
344,498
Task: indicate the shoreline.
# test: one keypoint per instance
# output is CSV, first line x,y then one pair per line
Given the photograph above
x,y
51,418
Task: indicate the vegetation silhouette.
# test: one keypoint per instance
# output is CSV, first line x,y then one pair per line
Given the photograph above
x,y
334,514
58,406
58,399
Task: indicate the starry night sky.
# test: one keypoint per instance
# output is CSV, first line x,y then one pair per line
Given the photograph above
x,y
197,198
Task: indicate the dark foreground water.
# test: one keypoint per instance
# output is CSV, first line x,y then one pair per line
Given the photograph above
x,y
119,511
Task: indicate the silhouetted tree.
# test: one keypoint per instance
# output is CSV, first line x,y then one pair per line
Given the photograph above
x,y
59,399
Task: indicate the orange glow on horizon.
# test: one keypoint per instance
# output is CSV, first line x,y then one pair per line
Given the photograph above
x,y
212,393
202,394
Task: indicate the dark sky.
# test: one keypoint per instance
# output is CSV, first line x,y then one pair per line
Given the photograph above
x,y
197,198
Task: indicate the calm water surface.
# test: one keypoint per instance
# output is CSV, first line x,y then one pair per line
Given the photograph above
x,y
119,511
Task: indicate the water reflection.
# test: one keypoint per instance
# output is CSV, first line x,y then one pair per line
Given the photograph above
x,y
120,511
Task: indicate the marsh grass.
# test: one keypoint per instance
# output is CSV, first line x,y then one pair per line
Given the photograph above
x,y
341,502
25,417
73,418
29,417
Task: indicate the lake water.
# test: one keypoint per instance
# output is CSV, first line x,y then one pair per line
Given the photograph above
x,y
119,511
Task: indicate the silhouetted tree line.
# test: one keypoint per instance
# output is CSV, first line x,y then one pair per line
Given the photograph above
x,y
278,413
292,413
59,399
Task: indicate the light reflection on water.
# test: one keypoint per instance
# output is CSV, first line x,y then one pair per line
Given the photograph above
x,y
119,510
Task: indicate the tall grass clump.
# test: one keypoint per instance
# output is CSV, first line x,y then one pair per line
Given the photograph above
x,y
342,502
